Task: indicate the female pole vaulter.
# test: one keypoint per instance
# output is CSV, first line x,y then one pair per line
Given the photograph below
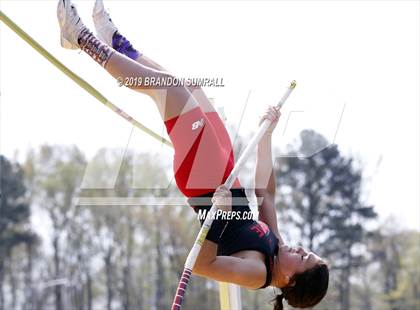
x,y
242,251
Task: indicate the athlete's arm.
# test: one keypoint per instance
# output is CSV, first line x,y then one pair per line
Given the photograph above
x,y
245,272
249,273
265,184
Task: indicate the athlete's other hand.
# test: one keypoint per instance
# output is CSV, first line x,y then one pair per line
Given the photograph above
x,y
222,198
273,115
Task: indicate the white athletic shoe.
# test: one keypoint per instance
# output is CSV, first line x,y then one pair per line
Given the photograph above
x,y
70,24
105,28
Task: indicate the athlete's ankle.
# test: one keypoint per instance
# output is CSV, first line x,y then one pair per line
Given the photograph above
x,y
122,45
99,51
83,37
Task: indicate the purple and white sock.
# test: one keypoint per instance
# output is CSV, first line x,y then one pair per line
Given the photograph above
x,y
122,45
99,51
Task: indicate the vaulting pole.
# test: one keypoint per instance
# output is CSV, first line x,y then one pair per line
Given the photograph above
x,y
192,256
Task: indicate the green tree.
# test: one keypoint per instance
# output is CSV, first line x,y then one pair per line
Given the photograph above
x,y
56,174
14,217
129,236
397,252
321,194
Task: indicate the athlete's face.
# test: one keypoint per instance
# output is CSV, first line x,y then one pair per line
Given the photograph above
x,y
297,260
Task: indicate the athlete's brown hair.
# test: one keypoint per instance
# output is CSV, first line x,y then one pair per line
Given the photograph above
x,y
309,288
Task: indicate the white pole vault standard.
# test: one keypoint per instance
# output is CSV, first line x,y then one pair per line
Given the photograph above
x,y
192,256
230,296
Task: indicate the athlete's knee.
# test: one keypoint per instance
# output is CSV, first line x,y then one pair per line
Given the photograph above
x,y
176,97
193,88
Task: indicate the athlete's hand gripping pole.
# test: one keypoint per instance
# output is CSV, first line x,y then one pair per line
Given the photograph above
x,y
192,256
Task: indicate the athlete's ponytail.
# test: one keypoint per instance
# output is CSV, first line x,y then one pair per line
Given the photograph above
x,y
308,290
278,302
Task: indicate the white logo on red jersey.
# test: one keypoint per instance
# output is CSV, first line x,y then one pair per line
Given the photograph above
x,y
198,124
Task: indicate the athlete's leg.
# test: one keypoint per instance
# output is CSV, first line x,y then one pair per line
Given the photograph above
x,y
108,33
171,101
193,160
196,91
